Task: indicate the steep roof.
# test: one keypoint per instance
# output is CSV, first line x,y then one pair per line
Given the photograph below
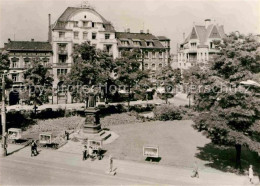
x,y
71,10
28,46
143,37
202,33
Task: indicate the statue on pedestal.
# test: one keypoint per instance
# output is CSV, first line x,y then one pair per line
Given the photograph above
x,y
92,124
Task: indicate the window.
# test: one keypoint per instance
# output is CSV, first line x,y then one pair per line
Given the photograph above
x,y
94,45
85,16
146,65
76,35
45,60
85,35
211,45
26,60
160,65
124,43
137,43
108,48
61,34
153,55
93,24
94,35
62,71
153,66
75,24
160,55
193,45
85,24
15,62
150,44
15,77
107,36
62,58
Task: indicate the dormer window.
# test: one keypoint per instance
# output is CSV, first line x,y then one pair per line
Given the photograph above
x,y
193,45
93,24
124,43
137,43
149,43
85,16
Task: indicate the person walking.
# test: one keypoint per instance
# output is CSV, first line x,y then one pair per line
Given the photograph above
x,y
195,170
84,151
91,153
251,174
110,163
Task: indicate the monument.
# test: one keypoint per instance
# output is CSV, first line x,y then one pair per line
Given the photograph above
x,y
91,129
92,122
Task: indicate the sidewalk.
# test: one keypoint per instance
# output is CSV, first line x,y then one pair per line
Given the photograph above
x,y
151,172
178,99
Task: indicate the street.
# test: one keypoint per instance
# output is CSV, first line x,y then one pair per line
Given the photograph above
x,y
51,167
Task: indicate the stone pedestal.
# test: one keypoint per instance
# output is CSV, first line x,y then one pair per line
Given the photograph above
x,y
92,122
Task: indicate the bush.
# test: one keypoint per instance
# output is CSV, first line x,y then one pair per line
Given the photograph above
x,y
142,108
167,112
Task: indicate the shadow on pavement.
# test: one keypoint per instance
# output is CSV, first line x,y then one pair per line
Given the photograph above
x,y
224,158
153,159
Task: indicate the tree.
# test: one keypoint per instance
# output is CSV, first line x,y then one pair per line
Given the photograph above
x,y
38,81
229,112
91,67
129,73
4,66
168,78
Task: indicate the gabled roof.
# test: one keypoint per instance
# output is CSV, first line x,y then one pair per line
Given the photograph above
x,y
28,46
60,23
143,37
202,33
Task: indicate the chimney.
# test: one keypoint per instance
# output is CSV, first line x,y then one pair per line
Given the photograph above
x,y
9,40
207,22
141,31
32,40
128,30
49,29
183,36
148,31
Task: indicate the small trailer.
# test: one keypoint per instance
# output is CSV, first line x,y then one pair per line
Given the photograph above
x,y
151,152
97,147
14,134
45,138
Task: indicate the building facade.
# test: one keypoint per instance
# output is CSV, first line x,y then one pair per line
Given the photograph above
x,y
155,50
75,26
198,48
21,54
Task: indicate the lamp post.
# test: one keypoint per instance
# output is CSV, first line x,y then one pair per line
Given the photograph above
x,y
3,119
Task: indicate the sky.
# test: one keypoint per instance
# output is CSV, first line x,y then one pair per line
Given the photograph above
x,y
22,20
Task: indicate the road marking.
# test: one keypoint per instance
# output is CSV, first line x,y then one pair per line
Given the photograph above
x,y
82,171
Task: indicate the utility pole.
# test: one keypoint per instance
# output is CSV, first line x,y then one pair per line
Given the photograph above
x,y
3,118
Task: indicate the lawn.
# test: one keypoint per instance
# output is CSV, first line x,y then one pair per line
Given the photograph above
x,y
178,142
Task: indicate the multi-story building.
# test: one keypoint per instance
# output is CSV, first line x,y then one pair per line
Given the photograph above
x,y
198,48
155,50
75,26
21,53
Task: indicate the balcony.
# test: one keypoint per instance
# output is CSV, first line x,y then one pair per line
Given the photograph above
x,y
64,52
61,64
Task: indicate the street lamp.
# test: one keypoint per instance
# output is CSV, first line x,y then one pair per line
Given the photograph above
x,y
3,118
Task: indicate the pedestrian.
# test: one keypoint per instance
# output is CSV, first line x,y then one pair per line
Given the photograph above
x,y
110,163
251,174
34,151
84,150
195,170
67,135
91,153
